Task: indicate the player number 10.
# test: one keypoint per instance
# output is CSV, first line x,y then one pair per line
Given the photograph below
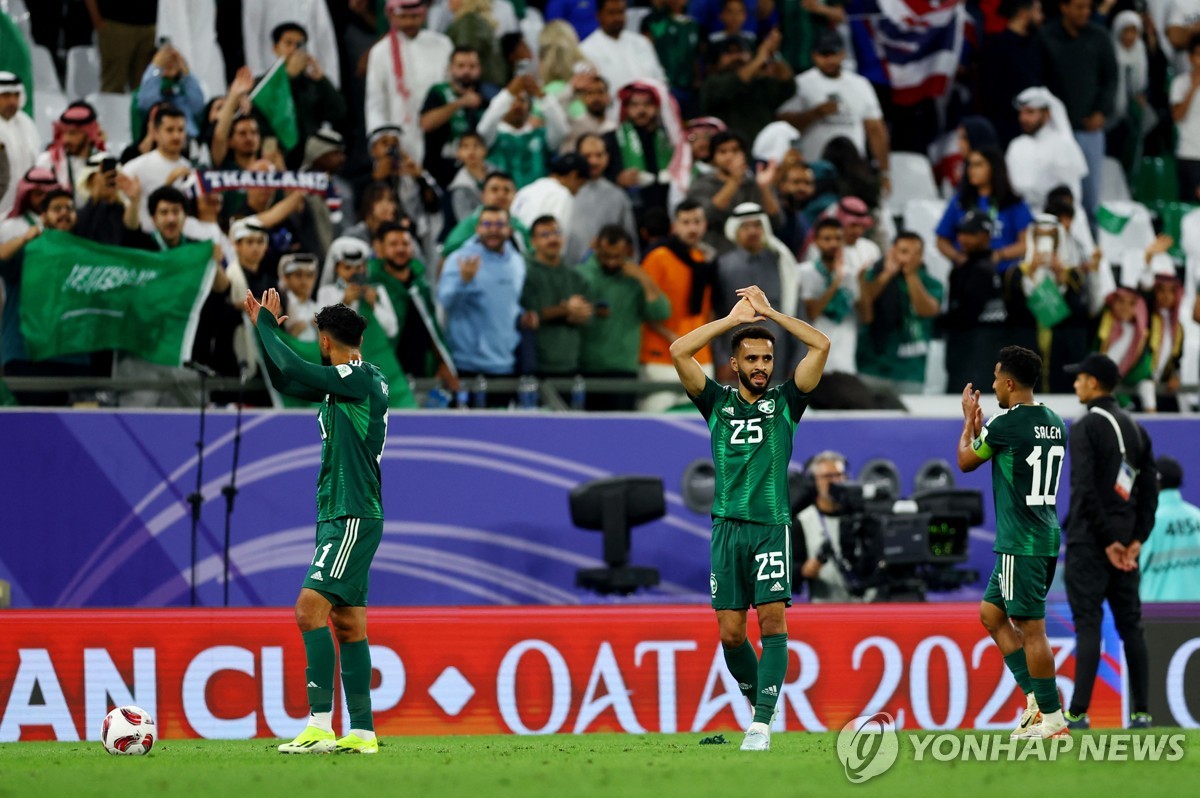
x,y
1049,487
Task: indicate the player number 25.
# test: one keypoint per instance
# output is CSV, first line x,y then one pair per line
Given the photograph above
x,y
752,428
773,559
1048,487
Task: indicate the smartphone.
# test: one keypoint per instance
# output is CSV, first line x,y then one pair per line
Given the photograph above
x,y
270,147
525,67
1044,244
163,41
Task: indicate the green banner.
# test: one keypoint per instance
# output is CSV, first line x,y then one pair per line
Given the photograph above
x,y
1110,221
80,296
15,58
273,98
1046,303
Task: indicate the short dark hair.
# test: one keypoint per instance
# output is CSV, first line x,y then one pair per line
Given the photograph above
x,y
463,49
1060,206
474,134
493,209
579,141
341,324
600,4
498,175
655,223
825,223
542,220
372,194
687,205
724,137
1193,43
614,234
237,120
1009,8
909,235
166,112
168,194
1023,365
381,232
287,27
1061,191
756,331
56,193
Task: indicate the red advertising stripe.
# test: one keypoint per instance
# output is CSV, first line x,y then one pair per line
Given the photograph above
x,y
240,673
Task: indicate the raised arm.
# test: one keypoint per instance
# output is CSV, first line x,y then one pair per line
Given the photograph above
x,y
808,371
685,347
970,455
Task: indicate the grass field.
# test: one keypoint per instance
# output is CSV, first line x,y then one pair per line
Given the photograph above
x,y
565,766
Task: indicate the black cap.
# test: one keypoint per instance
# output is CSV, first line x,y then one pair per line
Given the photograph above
x,y
1099,366
571,162
828,43
1170,472
974,222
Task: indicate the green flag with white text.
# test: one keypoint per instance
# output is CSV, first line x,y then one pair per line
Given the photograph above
x,y
80,296
273,98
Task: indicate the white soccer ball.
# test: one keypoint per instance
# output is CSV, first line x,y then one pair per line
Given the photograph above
x,y
128,730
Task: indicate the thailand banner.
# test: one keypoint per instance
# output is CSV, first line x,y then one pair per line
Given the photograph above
x,y
80,296
209,180
237,674
914,46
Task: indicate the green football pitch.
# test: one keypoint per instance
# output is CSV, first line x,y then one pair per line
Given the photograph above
x,y
563,766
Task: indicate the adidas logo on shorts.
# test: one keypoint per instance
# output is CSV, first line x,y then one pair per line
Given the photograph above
x,y
776,587
317,577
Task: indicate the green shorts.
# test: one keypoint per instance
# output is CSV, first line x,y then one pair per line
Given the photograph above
x,y
751,564
341,566
1019,585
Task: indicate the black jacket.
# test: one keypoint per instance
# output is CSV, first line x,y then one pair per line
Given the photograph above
x,y
1098,515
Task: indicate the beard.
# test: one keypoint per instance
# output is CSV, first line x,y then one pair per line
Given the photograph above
x,y
746,380
469,85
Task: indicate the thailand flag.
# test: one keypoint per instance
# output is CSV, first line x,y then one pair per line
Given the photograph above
x,y
914,46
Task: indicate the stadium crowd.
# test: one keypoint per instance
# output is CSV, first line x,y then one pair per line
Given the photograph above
x,y
556,188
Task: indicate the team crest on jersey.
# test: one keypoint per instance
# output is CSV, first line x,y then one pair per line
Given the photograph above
x,y
766,406
344,370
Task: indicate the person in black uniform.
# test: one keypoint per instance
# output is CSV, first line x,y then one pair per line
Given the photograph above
x,y
1114,494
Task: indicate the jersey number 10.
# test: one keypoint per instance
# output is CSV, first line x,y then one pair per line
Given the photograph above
x,y
1044,492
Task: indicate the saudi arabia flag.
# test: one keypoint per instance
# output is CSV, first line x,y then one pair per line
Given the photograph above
x,y
273,99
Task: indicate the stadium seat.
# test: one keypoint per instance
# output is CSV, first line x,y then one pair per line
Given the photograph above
x,y
1125,230
634,17
912,179
1115,186
113,112
47,107
83,71
45,74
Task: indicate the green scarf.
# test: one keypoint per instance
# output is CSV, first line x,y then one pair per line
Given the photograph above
x,y
632,155
840,305
459,124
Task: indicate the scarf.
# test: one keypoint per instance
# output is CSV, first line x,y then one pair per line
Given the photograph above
x,y
633,156
398,64
704,272
459,124
1132,65
1111,327
840,306
890,312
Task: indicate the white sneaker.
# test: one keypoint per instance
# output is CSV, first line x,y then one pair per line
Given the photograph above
x,y
758,738
1048,729
1029,718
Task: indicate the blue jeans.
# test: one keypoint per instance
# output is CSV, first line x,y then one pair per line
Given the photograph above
x,y
1092,144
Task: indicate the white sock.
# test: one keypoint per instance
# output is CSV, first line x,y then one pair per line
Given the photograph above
x,y
363,734
321,720
1030,701
1054,718
761,728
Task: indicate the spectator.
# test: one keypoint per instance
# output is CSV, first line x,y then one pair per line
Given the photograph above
x,y
466,189
986,189
77,135
605,202
796,186
249,272
1009,63
515,144
855,177
1124,130
498,192
347,259
101,217
830,290
553,195
315,94
975,316
1123,334
1114,494
237,136
442,15
192,31
820,545
1182,25
57,213
684,267
582,15
699,133
18,136
624,300
621,56
475,28
1165,345
401,69
974,133
559,58
900,301
732,19
640,149
676,38
758,258
164,164
1186,113
28,209
262,20
596,118
326,217
1168,560
421,346
708,14
557,295
1081,70
419,196
480,289
1046,155
732,184
858,252
167,79
1067,340
125,29
453,109
299,280
745,91
832,102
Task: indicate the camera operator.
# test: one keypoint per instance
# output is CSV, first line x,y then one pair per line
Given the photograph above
x,y
819,546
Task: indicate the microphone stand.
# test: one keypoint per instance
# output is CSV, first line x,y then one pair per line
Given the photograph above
x,y
230,491
196,499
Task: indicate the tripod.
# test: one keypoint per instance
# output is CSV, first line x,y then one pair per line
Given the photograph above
x,y
230,491
196,499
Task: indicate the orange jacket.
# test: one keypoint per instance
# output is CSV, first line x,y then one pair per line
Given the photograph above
x,y
674,278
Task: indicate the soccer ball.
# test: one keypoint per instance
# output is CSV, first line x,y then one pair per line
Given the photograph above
x,y
128,730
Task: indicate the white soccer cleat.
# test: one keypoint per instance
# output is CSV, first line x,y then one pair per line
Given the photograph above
x,y
1029,718
1046,730
758,738
311,741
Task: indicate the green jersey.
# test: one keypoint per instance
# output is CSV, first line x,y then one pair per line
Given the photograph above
x,y
1027,444
751,448
353,419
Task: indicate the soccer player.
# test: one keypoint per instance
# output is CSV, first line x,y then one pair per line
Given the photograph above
x,y
353,421
752,430
1026,443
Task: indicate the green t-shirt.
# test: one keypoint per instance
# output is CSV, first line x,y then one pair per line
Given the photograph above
x,y
677,42
522,155
1027,445
557,341
899,352
751,449
612,341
